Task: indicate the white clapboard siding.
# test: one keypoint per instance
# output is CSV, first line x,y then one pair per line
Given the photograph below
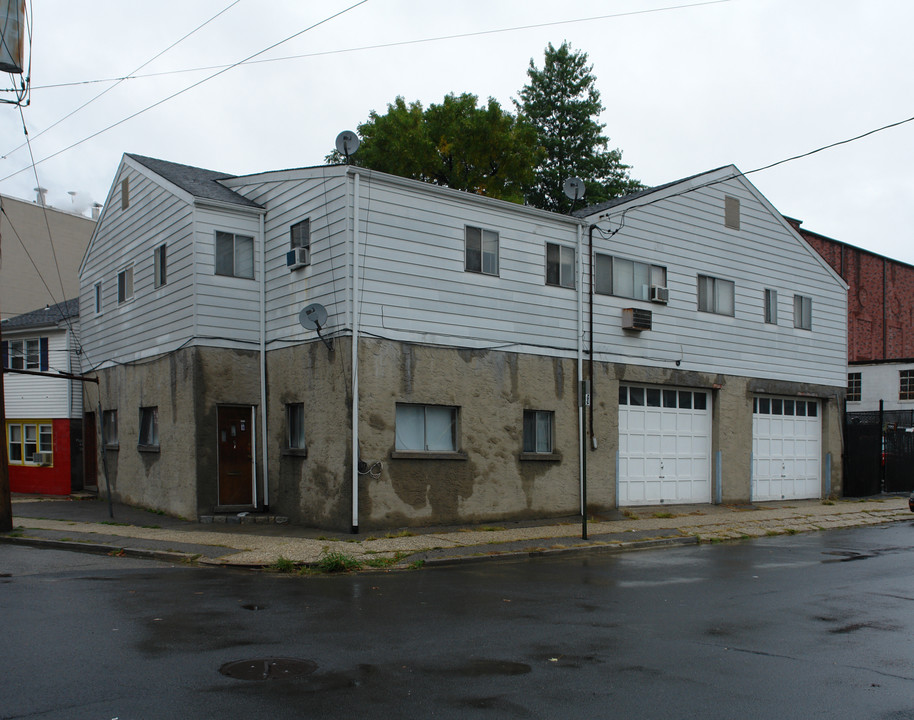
x,y
157,319
40,398
319,195
416,287
686,234
226,307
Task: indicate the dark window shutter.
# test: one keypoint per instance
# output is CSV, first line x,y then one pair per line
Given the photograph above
x,y
43,351
6,354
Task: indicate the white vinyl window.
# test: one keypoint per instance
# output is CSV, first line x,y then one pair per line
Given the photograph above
x,y
300,234
234,255
295,420
715,295
771,307
559,265
481,250
125,285
538,426
426,428
160,265
627,278
149,427
802,312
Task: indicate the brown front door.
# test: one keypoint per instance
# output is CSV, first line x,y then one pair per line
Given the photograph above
x,y
90,451
236,457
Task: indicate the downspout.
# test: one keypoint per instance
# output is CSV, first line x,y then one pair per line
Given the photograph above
x,y
885,303
355,355
582,391
263,368
590,259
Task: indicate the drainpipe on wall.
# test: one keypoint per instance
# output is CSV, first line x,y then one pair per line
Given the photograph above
x,y
355,356
263,366
582,394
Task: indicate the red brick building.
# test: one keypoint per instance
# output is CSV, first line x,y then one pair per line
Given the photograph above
x,y
880,299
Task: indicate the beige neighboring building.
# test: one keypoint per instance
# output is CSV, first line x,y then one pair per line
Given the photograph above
x,y
29,259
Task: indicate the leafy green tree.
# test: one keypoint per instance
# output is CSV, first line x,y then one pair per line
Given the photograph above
x,y
562,102
455,143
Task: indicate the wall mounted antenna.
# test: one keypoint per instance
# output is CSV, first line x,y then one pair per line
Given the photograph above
x,y
314,317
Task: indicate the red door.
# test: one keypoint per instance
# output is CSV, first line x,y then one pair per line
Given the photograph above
x,y
236,456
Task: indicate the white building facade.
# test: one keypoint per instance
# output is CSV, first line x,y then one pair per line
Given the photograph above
x,y
458,332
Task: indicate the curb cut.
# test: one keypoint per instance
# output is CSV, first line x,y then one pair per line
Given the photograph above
x,y
95,549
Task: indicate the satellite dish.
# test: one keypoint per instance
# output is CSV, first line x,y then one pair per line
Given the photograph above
x,y
573,188
313,317
347,142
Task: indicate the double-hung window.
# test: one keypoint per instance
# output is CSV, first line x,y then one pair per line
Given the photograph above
x,y
538,425
125,285
802,312
30,443
234,255
300,234
28,354
715,295
627,278
559,265
160,265
906,385
295,421
426,428
854,386
149,427
481,250
771,306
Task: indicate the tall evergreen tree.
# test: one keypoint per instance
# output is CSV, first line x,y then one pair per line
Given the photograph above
x,y
562,102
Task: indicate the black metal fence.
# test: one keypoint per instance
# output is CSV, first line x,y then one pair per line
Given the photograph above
x,y
878,452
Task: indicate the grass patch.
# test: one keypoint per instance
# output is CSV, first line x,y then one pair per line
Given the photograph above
x,y
111,522
792,531
629,514
154,512
385,562
827,501
416,564
715,540
491,528
151,527
772,533
333,561
663,515
282,565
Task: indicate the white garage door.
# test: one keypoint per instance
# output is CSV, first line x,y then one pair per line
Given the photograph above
x,y
664,446
786,449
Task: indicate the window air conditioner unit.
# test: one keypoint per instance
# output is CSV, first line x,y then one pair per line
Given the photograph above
x,y
660,294
298,257
43,458
636,319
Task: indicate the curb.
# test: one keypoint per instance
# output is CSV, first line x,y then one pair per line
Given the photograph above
x,y
96,549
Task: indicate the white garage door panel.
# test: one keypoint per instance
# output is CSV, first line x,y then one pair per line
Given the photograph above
x,y
664,446
786,449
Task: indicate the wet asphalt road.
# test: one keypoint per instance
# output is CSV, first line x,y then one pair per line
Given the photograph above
x,y
804,626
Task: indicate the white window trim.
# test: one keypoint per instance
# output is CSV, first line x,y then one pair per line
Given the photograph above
x,y
716,285
563,250
485,235
128,294
802,312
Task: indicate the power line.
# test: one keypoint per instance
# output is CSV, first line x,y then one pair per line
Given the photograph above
x,y
107,90
382,46
190,87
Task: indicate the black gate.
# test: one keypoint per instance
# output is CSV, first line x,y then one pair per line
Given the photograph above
x,y
878,452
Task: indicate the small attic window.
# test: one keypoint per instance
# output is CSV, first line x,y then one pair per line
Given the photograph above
x,y
731,212
125,193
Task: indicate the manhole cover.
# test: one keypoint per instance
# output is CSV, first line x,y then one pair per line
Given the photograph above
x,y
268,668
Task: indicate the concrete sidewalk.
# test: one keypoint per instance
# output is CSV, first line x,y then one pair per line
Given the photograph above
x,y
83,523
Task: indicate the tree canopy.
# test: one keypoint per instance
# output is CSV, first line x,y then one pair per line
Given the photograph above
x,y
562,103
456,143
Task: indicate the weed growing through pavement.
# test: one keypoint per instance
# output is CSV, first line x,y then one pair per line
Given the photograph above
x,y
416,564
663,515
402,533
281,565
332,561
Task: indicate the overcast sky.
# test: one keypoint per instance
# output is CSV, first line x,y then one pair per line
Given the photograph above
x,y
687,86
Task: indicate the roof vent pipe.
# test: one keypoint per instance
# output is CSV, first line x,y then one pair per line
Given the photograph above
x,y
42,196
96,210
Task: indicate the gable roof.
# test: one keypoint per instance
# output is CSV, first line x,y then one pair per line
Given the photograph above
x,y
52,315
600,207
199,182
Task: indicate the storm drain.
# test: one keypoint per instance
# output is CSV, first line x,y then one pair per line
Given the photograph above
x,y
268,669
